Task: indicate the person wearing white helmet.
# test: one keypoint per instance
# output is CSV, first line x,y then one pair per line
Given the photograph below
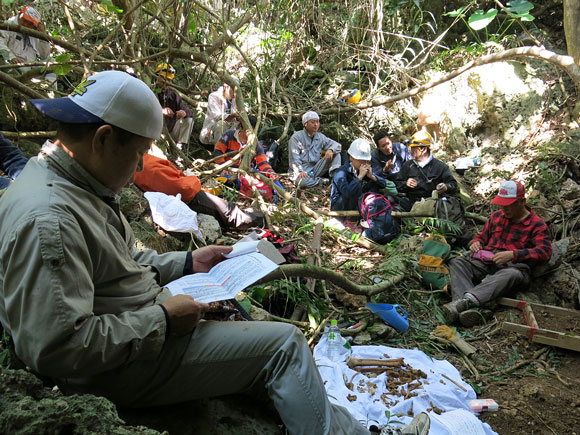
x,y
87,309
355,178
221,115
18,48
312,155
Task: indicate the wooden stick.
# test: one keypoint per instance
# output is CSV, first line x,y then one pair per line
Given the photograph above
x,y
456,383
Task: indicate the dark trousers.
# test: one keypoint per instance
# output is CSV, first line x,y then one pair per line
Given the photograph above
x,y
227,214
485,281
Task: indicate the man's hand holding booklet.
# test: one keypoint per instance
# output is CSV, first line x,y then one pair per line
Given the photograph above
x,y
245,264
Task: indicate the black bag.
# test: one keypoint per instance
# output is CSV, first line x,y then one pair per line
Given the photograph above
x,y
271,148
376,210
451,209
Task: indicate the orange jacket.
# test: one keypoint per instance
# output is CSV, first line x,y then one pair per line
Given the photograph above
x,y
159,175
229,143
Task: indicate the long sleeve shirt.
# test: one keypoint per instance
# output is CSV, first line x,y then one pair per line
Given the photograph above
x,y
529,239
229,142
12,161
171,99
15,44
399,156
347,188
304,151
218,107
428,178
75,295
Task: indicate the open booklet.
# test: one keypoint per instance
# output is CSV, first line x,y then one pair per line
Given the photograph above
x,y
225,280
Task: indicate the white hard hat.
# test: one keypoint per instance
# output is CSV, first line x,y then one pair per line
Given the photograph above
x,y
360,149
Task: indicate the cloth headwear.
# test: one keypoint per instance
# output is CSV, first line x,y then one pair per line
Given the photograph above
x,y
360,149
309,116
509,192
113,97
31,15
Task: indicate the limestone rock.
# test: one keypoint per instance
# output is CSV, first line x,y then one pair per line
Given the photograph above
x,y
27,407
209,227
559,249
362,338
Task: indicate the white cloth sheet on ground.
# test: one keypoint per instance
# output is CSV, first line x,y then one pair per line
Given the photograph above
x,y
437,391
172,214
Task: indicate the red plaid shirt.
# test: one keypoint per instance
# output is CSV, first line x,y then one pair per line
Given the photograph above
x,y
529,239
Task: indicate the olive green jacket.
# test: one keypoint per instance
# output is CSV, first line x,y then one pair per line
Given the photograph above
x,y
75,295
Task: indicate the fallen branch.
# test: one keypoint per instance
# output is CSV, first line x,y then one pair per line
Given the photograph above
x,y
28,134
309,271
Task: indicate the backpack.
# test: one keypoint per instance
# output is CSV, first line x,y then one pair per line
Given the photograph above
x,y
246,182
431,262
376,210
271,148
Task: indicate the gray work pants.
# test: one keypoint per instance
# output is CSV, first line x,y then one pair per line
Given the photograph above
x,y
319,170
485,281
181,131
222,358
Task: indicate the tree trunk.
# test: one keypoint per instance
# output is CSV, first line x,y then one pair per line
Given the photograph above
x,y
572,28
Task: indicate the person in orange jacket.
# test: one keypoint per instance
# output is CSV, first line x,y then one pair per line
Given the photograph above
x,y
235,140
160,175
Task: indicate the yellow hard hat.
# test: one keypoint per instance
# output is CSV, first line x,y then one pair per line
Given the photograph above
x,y
421,139
352,97
165,70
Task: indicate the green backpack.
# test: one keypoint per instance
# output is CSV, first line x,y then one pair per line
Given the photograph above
x,y
432,262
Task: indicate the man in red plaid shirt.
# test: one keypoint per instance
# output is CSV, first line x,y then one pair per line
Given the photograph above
x,y
512,240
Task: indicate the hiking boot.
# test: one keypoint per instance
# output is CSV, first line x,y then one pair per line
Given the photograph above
x,y
419,426
253,219
474,316
452,309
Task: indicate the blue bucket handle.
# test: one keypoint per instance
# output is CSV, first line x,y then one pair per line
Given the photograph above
x,y
403,313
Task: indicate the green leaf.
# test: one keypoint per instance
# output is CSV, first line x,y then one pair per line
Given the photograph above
x,y
246,304
526,17
192,26
8,2
62,70
456,12
480,19
475,387
64,57
519,7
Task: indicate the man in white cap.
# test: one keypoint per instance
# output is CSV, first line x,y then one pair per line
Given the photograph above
x,y
87,309
221,115
312,155
16,47
512,240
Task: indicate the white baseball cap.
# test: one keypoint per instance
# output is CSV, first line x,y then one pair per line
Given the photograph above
x,y
309,116
113,97
360,149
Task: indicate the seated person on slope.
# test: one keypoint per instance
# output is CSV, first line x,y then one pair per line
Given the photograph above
x,y
354,178
160,175
312,155
424,174
235,140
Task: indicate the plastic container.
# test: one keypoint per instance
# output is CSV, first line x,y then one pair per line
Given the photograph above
x,y
479,405
394,315
334,341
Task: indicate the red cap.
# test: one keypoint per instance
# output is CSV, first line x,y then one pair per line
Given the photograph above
x,y
509,192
